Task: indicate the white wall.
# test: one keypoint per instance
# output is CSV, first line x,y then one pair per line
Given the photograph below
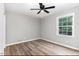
x,y
21,27
49,29
2,28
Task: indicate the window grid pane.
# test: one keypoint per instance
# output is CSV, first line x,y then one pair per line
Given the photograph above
x,y
65,25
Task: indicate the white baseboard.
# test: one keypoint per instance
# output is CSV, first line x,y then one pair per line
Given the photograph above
x,y
46,40
64,45
22,41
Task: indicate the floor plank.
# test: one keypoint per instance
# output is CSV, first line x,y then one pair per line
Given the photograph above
x,y
38,48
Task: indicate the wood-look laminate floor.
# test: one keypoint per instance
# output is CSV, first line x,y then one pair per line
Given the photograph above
x,y
38,48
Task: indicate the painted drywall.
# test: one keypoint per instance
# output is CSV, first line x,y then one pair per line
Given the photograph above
x,y
21,27
2,28
49,29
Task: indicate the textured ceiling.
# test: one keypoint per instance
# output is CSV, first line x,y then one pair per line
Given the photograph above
x,y
24,8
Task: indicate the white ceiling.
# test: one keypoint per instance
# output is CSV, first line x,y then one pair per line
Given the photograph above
x,y
25,8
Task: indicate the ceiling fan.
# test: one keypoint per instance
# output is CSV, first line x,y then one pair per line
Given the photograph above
x,y
42,7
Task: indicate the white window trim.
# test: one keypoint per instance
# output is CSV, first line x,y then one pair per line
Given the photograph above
x,y
57,25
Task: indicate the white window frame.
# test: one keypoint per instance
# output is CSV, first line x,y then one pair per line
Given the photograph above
x,y
57,25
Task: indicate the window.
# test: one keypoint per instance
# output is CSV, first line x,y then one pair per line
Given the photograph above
x,y
65,25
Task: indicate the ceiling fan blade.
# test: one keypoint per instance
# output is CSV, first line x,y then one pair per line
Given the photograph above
x,y
39,12
46,11
50,7
34,9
